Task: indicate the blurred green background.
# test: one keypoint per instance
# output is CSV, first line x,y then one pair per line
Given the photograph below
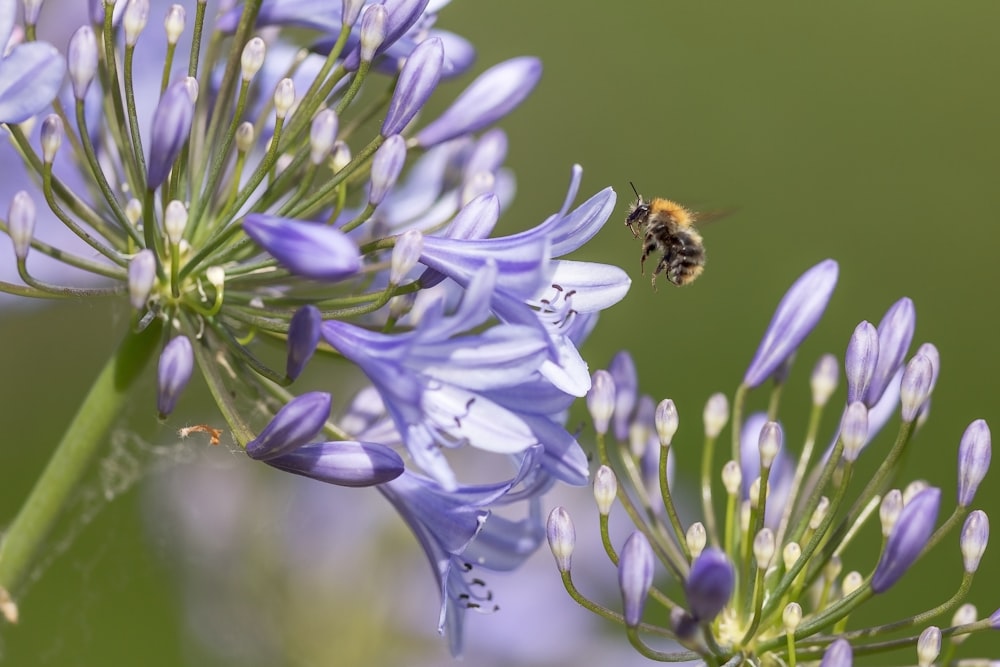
x,y
860,131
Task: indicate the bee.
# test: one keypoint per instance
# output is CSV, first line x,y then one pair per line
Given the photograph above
x,y
668,228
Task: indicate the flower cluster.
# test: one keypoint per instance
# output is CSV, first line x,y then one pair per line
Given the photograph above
x,y
260,204
765,582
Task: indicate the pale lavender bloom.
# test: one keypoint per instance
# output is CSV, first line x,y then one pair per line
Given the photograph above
x,y
30,74
907,539
895,333
344,463
458,534
295,424
303,337
915,386
975,535
174,371
81,57
709,584
494,94
797,314
635,576
561,535
974,453
307,249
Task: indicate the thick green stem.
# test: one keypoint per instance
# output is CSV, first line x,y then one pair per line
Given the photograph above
x,y
82,442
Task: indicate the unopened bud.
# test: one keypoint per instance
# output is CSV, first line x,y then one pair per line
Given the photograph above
x,y
824,379
141,276
21,223
81,60
605,489
928,646
889,509
284,97
732,477
601,400
322,135
373,30
175,221
666,421
716,415
174,23
136,16
696,538
244,137
561,535
252,58
52,136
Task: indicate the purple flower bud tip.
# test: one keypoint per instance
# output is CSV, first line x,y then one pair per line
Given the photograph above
x,y
296,424
838,654
907,539
915,387
303,337
173,373
709,584
995,620
974,455
342,463
895,333
561,534
306,249
387,164
171,127
635,576
797,314
860,361
417,80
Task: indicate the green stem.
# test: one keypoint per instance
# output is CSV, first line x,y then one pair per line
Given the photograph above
x,y
80,446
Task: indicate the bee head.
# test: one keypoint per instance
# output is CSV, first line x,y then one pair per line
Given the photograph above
x,y
637,212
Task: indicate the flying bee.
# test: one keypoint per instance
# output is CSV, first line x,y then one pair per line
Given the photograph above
x,y
668,228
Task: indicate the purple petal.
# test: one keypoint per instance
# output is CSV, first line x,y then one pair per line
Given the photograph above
x,y
30,78
974,455
303,336
797,314
908,538
709,584
417,80
171,127
173,373
494,94
895,333
635,576
838,654
307,249
298,422
860,361
342,463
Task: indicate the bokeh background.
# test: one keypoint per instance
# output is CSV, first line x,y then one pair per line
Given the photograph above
x,y
866,132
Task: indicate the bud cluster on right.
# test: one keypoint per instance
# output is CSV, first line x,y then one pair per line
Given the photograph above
x,y
766,577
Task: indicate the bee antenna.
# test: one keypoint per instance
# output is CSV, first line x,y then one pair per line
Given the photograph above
x,y
637,195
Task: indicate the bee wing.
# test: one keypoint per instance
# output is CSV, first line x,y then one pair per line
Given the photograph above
x,y
705,217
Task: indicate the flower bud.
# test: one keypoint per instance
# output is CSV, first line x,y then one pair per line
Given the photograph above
x,y
791,554
175,221
174,371
295,424
32,8
347,463
763,547
838,654
306,249
974,455
405,255
322,135
81,60
709,584
284,97
494,94
373,30
895,333
732,477
340,156
769,443
797,314
622,370
975,535
387,165
174,23
21,223
635,576
252,58
907,539
303,337
928,646
852,582
715,415
244,137
860,361
915,387
171,127
854,430
822,507
601,400
141,277
133,211
605,489
824,379
52,136
666,421
350,11
889,510
561,534
696,538
417,80
791,616
964,615
136,16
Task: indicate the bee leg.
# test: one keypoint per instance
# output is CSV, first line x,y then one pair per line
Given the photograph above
x,y
664,264
646,249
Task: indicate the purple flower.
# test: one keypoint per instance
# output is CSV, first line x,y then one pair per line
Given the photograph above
x,y
459,533
838,654
709,584
974,453
907,539
860,361
174,371
30,73
342,463
635,576
303,337
796,315
895,332
306,249
561,535
387,164
417,80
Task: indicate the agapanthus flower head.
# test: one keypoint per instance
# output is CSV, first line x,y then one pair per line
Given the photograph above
x,y
230,192
772,579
